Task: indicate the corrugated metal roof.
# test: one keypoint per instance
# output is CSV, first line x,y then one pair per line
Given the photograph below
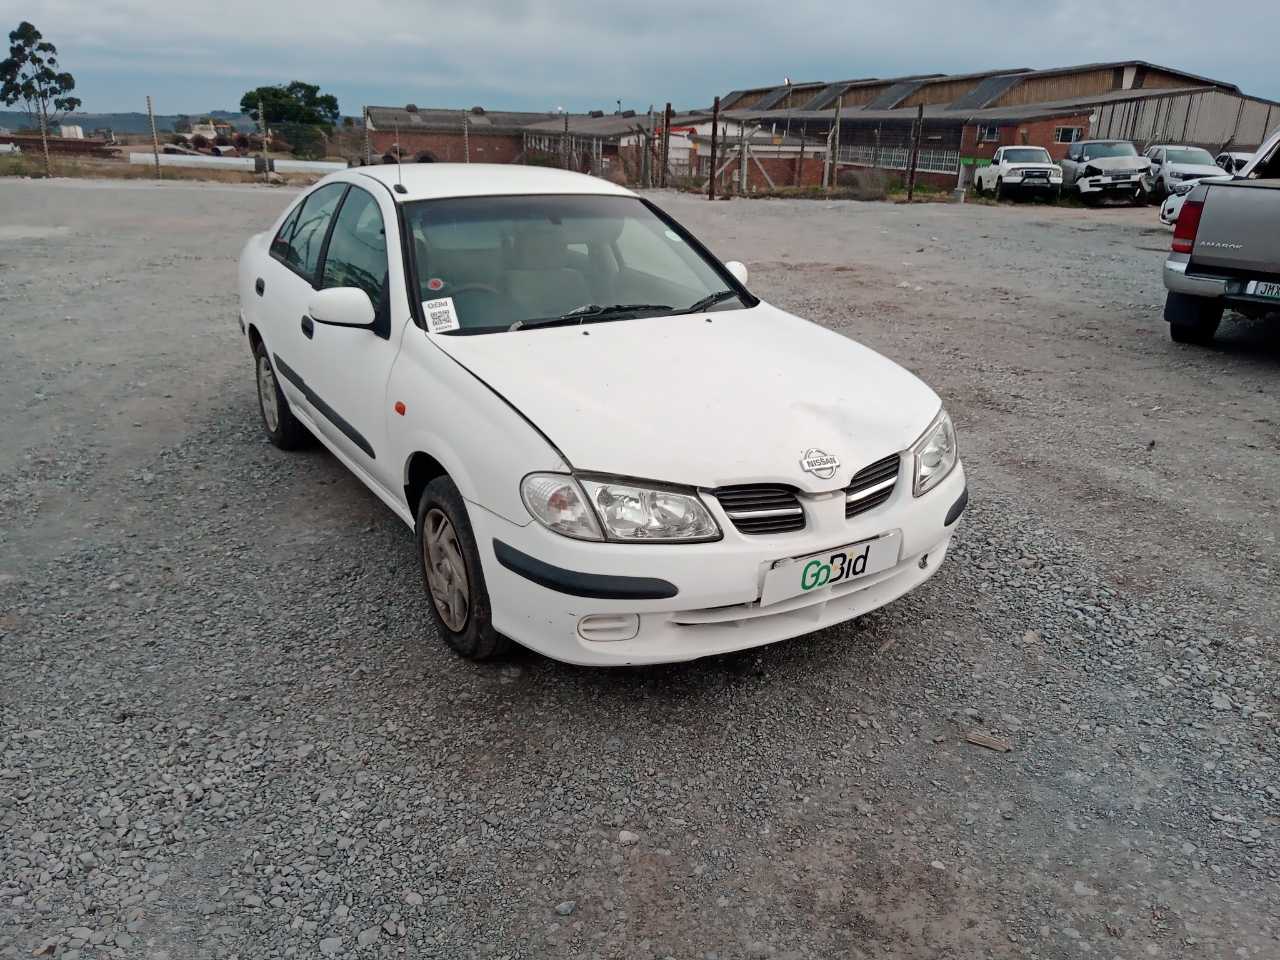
x,y
827,95
779,93
895,95
989,89
437,118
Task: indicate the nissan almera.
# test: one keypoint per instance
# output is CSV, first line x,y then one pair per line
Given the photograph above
x,y
607,448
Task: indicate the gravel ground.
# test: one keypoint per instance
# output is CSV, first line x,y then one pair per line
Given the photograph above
x,y
227,732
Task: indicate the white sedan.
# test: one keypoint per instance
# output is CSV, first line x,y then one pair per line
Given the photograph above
x,y
608,449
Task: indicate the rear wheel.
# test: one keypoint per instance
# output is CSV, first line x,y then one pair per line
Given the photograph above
x,y
1192,320
453,576
283,428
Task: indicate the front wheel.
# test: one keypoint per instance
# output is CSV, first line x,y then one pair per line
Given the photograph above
x,y
1192,320
282,427
999,192
453,576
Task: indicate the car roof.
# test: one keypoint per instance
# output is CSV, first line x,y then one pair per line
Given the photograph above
x,y
435,181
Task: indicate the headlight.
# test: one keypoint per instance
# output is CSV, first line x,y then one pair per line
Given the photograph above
x,y
935,454
557,503
634,513
1175,175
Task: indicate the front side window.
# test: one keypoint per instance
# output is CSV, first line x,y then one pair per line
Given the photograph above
x,y
299,247
504,261
1027,155
357,254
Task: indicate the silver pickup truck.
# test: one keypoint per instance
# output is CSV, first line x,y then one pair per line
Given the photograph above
x,y
1226,250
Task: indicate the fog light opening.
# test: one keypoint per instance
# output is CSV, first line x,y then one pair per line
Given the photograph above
x,y
924,562
609,627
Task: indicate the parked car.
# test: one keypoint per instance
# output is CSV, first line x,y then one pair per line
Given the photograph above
x,y
11,148
1226,249
1172,205
1232,161
1105,168
1019,169
609,450
1173,165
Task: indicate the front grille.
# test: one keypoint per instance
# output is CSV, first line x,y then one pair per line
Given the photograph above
x,y
762,508
871,486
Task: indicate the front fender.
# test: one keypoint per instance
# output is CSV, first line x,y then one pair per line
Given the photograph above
x,y
485,445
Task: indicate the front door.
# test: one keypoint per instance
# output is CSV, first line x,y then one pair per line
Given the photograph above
x,y
346,369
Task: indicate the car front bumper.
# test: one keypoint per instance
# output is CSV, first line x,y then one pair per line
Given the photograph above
x,y
698,600
1034,183
1109,184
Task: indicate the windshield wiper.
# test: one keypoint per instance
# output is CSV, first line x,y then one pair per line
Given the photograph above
x,y
710,301
589,313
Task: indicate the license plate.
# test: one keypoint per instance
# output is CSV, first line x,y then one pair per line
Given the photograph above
x,y
1122,178
1261,288
820,572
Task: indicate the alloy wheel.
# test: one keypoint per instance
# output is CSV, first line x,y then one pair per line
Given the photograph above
x,y
268,395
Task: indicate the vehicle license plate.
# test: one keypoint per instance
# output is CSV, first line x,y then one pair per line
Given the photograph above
x,y
1261,288
821,571
1122,177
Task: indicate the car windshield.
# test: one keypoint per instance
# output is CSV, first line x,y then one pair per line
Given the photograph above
x,y
488,264
1027,155
1093,151
1192,155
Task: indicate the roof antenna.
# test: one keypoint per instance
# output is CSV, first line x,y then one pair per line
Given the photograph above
x,y
399,187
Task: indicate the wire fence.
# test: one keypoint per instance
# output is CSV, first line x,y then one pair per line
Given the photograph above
x,y
899,158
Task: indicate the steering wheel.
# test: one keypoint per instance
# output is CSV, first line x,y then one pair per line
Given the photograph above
x,y
468,287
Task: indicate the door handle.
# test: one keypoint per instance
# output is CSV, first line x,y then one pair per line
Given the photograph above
x,y
308,327
260,287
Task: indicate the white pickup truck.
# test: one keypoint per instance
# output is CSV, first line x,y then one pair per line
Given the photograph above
x,y
1226,250
1023,169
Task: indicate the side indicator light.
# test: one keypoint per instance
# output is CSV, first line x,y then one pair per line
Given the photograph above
x,y
399,407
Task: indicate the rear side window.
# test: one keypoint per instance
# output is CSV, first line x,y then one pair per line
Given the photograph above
x,y
299,242
357,254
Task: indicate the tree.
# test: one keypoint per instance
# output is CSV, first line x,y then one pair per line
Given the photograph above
x,y
31,76
297,102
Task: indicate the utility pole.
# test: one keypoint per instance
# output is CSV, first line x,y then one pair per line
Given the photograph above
x,y
368,147
155,140
915,152
564,144
666,144
833,147
715,129
466,138
44,140
800,163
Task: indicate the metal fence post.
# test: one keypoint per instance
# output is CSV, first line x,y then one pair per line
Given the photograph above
x,y
155,140
915,153
715,128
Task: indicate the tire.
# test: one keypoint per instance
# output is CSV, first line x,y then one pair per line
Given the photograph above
x,y
1192,320
444,540
999,192
1055,195
1158,192
977,185
281,426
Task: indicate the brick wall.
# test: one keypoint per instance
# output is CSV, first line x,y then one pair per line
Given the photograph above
x,y
447,146
1034,133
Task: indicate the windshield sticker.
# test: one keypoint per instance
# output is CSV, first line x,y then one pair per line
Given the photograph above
x,y
441,317
435,283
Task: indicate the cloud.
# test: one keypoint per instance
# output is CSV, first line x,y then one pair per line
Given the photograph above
x,y
579,54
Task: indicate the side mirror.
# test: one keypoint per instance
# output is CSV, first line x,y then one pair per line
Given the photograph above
x,y
342,307
739,271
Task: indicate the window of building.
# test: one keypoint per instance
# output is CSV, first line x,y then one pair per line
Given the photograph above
x,y
1067,134
988,133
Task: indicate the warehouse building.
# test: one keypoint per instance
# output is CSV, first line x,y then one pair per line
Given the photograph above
x,y
967,116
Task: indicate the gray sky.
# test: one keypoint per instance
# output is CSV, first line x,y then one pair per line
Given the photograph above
x,y
532,54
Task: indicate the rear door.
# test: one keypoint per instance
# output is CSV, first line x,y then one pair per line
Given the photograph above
x,y
289,279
